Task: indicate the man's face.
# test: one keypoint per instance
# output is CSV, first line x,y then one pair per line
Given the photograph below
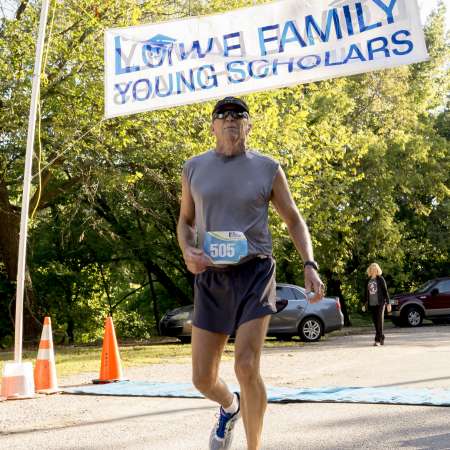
x,y
230,125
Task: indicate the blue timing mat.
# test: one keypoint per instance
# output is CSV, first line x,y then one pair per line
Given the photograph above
x,y
387,395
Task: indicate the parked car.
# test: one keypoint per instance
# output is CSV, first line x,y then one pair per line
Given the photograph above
x,y
431,301
295,317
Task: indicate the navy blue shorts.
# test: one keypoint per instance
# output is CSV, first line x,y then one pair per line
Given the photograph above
x,y
225,298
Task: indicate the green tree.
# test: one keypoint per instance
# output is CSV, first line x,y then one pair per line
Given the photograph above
x,y
367,159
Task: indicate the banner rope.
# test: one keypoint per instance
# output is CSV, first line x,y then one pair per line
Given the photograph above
x,y
70,146
44,80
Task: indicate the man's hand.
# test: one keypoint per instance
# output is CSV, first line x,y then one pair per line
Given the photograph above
x,y
196,260
314,283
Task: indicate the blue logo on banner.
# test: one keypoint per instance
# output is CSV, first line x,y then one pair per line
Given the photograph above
x,y
158,43
155,49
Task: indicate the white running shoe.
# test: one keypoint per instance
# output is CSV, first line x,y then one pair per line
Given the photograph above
x,y
222,433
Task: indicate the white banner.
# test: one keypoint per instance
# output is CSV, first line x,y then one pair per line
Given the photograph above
x,y
254,49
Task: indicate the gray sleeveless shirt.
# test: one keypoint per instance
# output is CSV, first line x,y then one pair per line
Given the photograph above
x,y
233,194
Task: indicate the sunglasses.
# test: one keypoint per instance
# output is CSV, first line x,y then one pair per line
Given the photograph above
x,y
234,114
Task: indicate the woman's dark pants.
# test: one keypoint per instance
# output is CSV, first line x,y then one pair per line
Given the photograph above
x,y
378,321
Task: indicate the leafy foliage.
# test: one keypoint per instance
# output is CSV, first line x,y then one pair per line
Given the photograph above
x,y
367,159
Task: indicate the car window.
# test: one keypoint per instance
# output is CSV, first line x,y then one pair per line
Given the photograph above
x,y
444,286
424,287
284,292
299,294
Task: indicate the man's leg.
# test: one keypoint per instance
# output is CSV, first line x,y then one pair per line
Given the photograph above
x,y
248,344
207,348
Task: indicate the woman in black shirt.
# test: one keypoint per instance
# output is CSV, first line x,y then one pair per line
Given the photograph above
x,y
376,298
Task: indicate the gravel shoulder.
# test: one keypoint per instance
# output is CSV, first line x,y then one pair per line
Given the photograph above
x,y
410,358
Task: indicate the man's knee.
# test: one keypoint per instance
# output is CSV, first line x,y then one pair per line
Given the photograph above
x,y
204,382
246,368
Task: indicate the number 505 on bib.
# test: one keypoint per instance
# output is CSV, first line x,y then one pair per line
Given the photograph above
x,y
225,247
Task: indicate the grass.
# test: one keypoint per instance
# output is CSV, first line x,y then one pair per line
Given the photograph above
x,y
361,320
75,360
71,360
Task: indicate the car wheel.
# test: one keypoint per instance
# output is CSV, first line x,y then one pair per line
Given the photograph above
x,y
310,329
184,339
413,316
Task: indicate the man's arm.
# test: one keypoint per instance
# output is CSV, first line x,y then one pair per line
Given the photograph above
x,y
196,261
298,230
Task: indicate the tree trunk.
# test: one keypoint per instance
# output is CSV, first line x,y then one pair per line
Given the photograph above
x,y
9,255
70,330
172,289
32,326
9,234
103,209
70,321
334,288
156,313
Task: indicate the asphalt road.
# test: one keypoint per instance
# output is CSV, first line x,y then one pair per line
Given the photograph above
x,y
410,358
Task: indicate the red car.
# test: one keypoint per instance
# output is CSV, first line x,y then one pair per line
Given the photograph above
x,y
430,301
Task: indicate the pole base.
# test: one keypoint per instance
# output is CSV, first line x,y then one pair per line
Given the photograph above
x,y
17,381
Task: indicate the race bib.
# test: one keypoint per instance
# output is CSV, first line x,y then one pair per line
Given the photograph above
x,y
225,247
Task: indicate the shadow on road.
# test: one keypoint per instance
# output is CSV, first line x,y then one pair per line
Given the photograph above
x,y
436,442
414,382
99,422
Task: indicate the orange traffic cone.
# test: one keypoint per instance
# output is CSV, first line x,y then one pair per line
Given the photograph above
x,y
45,369
110,369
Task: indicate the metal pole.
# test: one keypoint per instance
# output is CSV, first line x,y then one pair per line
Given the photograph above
x,y
27,184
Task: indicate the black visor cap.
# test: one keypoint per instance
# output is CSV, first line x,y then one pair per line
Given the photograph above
x,y
231,103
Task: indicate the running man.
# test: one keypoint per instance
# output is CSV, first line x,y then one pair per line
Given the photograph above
x,y
224,236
